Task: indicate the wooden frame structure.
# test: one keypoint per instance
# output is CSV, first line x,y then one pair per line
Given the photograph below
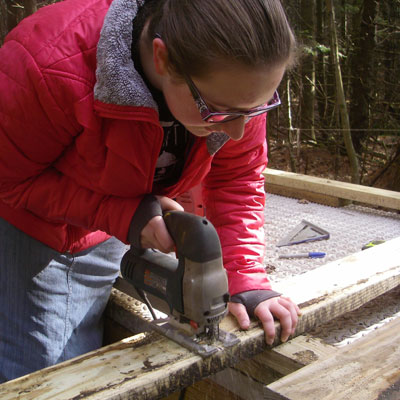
x,y
149,366
327,191
365,369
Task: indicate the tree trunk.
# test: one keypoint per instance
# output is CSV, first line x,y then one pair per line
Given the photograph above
x,y
30,6
340,97
320,64
363,74
293,166
18,10
3,21
307,123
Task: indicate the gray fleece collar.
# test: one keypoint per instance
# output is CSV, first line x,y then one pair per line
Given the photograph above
x,y
117,81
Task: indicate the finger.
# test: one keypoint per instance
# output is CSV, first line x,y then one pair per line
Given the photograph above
x,y
239,312
297,308
164,239
293,310
285,318
263,313
155,235
168,204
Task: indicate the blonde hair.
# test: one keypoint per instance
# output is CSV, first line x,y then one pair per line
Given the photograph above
x,y
198,34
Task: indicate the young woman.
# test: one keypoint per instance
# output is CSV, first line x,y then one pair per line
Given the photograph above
x,y
106,104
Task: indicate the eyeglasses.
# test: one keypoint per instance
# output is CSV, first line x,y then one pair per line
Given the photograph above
x,y
225,116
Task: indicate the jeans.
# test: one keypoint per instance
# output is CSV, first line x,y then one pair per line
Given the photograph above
x,y
51,304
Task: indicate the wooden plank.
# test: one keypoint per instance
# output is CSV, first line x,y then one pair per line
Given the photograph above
x,y
336,280
285,358
149,368
241,384
248,378
207,389
113,332
328,187
359,371
319,198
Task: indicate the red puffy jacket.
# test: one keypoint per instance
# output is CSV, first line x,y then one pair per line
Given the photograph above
x,y
80,137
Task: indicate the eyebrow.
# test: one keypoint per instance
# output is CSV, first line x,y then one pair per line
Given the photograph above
x,y
214,106
232,109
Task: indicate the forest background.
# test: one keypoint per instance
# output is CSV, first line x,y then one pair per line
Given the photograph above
x,y
340,113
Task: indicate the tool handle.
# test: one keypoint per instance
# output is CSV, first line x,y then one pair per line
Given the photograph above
x,y
195,237
148,208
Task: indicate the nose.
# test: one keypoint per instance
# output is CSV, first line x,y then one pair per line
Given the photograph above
x,y
235,128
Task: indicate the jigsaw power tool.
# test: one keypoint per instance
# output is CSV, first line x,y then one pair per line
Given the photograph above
x,y
191,288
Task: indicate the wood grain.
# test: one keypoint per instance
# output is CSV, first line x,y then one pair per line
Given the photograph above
x,y
359,371
151,367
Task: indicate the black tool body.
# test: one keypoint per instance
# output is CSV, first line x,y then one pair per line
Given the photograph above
x,y
192,287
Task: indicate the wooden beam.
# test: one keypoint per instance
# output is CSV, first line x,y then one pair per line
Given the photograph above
x,y
151,366
243,385
205,389
285,358
298,185
359,371
248,378
360,272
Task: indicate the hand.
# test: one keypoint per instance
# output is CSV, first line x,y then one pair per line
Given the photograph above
x,y
155,234
281,307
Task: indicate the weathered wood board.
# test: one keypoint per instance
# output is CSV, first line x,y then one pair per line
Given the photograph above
x,y
150,367
249,378
286,358
359,371
321,190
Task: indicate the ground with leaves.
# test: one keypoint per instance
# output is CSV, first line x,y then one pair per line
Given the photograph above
x,y
382,169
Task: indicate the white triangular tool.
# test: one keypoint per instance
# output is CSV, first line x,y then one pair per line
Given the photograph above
x,y
304,232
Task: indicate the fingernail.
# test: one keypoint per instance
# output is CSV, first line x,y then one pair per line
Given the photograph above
x,y
245,326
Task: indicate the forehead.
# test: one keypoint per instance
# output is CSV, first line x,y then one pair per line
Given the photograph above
x,y
238,86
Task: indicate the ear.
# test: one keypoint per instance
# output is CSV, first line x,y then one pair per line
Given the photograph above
x,y
160,56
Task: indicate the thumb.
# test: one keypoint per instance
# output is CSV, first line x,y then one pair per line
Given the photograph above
x,y
168,204
239,312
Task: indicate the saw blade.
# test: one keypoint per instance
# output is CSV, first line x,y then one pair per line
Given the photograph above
x,y
201,344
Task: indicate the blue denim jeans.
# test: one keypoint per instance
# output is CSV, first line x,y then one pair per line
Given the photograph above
x,y
51,304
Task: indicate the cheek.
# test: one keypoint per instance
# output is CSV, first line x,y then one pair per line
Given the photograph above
x,y
183,108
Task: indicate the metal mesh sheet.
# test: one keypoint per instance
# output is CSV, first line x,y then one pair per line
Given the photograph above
x,y
350,228
362,321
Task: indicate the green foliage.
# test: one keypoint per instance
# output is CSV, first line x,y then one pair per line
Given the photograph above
x,y
323,49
